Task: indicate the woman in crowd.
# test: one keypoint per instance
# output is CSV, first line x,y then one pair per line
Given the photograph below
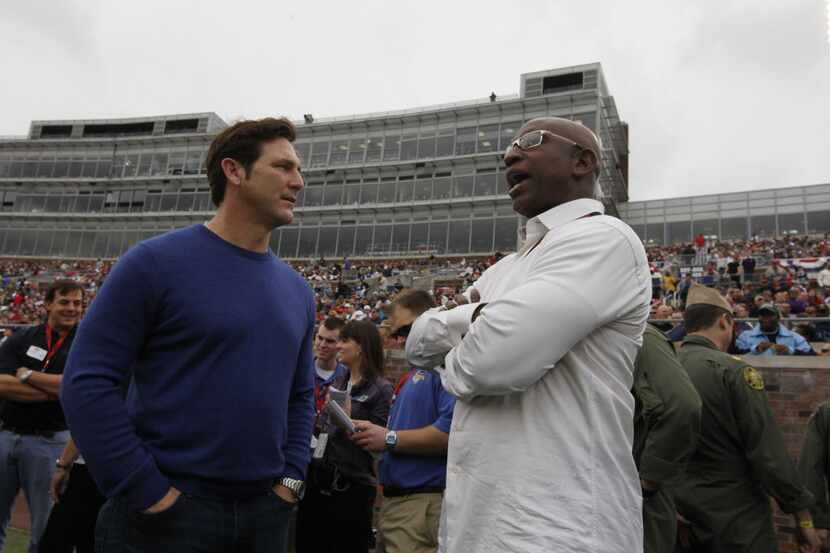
x,y
335,516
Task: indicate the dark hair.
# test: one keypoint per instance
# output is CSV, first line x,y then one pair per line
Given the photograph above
x,y
416,301
62,287
366,334
242,142
701,316
334,323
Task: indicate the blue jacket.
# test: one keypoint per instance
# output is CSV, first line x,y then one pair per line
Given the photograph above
x,y
749,339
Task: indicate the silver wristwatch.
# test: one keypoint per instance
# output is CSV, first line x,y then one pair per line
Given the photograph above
x,y
391,440
297,487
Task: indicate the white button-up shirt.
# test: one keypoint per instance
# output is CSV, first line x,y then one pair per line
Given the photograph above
x,y
540,447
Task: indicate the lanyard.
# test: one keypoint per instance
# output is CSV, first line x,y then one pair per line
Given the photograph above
x,y
51,351
401,383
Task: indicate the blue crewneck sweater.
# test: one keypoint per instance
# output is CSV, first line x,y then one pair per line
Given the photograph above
x,y
216,343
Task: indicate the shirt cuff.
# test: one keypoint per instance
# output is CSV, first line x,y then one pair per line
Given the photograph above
x,y
458,321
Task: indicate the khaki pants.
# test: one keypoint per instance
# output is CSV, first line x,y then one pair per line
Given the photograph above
x,y
409,524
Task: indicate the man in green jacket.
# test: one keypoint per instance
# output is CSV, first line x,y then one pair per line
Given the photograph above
x,y
740,458
812,466
666,427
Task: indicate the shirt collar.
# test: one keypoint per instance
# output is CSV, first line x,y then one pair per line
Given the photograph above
x,y
561,215
699,341
782,330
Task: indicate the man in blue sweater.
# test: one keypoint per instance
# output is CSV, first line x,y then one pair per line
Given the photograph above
x,y
214,334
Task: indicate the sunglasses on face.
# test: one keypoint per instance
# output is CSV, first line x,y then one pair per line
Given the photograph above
x,y
534,139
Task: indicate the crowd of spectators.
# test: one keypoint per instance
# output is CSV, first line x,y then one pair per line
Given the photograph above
x,y
749,272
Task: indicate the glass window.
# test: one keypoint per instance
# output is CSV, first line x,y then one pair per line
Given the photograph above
x,y
369,192
52,204
302,149
28,171
152,202
506,234
418,239
762,225
67,204
678,232
104,169
791,223
44,168
345,242
114,243
131,165
733,228
319,155
588,119
28,239
444,144
508,131
422,190
392,148
426,145
654,233
193,163
383,238
11,245
308,241
409,147
352,195
144,164
44,242
186,200
374,148
4,169
328,242
459,237
481,236
488,138
288,242
357,150
462,187
332,194
386,192
363,240
158,165
400,237
465,141
131,238
99,249
81,203
486,184
339,151
313,196
404,191
442,188
706,227
58,248
438,237
203,202
168,201
175,163
89,166
818,222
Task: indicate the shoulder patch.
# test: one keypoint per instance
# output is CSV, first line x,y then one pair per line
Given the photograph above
x,y
753,378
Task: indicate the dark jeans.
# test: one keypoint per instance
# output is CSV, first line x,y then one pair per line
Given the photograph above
x,y
194,524
340,522
71,525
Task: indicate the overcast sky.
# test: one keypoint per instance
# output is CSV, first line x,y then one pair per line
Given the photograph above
x,y
720,95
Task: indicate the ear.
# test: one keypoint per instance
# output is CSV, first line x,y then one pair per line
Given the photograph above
x,y
233,170
585,163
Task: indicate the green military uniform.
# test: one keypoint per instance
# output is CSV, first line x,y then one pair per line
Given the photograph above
x,y
666,426
740,457
813,463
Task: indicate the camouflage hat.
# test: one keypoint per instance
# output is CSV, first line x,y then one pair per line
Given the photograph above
x,y
699,294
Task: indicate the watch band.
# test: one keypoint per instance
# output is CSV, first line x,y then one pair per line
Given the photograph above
x,y
61,465
25,376
297,487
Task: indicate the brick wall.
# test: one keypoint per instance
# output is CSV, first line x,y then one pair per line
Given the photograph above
x,y
795,387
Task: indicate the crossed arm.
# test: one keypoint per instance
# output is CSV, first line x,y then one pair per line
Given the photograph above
x,y
13,389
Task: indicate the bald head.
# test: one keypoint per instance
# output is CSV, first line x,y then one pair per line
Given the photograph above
x,y
561,168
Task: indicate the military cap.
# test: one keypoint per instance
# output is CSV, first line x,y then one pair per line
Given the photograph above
x,y
699,294
769,308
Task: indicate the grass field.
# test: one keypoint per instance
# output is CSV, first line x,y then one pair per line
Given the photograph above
x,y
16,541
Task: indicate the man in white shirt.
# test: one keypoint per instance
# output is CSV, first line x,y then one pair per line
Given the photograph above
x,y
540,448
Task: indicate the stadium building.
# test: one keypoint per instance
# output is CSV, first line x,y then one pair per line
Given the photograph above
x,y
423,181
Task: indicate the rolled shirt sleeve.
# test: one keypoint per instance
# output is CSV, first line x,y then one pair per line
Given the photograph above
x,y
435,333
